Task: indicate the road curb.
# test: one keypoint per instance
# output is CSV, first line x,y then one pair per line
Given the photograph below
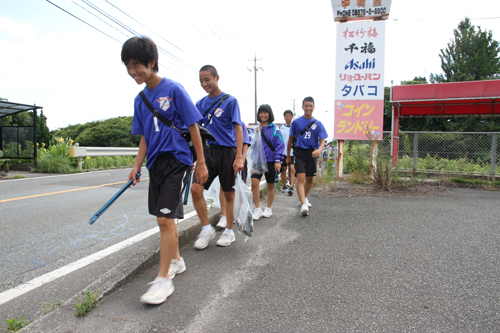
x,y
123,272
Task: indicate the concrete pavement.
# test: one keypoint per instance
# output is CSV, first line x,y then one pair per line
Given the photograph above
x,y
366,264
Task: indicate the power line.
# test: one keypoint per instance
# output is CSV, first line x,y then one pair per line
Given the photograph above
x,y
135,33
144,26
97,17
82,21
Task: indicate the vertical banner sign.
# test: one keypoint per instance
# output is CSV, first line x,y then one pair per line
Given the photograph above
x,y
359,82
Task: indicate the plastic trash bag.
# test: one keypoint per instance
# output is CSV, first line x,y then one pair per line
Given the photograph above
x,y
243,202
256,156
212,194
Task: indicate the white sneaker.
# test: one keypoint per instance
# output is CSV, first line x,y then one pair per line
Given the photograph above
x,y
226,239
176,267
308,203
257,213
222,223
160,289
204,238
267,212
304,210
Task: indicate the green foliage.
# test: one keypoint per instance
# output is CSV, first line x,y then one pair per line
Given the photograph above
x,y
55,158
50,305
472,55
113,132
85,304
14,325
384,175
416,80
42,130
357,157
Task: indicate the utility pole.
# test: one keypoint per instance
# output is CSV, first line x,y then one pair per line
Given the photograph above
x,y
255,69
293,108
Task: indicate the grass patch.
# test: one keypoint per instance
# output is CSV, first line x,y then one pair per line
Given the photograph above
x,y
14,325
87,303
50,306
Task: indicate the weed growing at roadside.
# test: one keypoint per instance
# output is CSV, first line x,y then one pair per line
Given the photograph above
x,y
50,305
85,304
14,325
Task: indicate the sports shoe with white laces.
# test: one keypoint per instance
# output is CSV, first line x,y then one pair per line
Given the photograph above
x,y
304,210
160,289
283,190
267,212
222,223
290,190
226,239
257,213
308,203
204,238
176,267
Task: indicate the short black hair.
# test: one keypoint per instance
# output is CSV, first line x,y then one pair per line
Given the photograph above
x,y
211,69
141,49
308,99
266,108
288,111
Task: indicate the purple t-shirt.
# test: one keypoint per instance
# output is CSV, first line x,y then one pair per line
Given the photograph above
x,y
172,101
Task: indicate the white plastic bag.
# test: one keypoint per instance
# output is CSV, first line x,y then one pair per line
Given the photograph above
x,y
212,194
243,203
256,156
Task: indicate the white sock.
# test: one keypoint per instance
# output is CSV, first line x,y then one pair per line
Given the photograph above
x,y
229,230
206,228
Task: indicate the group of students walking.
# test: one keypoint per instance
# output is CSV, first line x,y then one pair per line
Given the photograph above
x,y
168,123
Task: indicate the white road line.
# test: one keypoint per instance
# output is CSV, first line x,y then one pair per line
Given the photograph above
x,y
10,294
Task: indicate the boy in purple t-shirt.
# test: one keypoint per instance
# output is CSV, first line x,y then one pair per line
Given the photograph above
x,y
169,158
308,131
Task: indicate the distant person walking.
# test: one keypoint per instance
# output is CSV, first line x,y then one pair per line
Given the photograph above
x,y
307,131
285,132
272,142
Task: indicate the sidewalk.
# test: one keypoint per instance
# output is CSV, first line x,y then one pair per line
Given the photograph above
x,y
388,264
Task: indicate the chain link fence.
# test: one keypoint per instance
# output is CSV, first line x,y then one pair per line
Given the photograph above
x,y
476,153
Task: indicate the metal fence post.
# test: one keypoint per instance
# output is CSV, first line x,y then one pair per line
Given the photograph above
x,y
415,151
494,138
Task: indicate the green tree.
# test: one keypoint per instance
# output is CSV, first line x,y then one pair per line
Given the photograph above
x,y
42,130
471,55
113,132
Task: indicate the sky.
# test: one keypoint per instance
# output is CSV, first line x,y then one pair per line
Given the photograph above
x,y
61,62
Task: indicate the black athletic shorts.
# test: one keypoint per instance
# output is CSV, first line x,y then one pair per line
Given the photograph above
x,y
284,165
167,181
270,174
219,161
304,162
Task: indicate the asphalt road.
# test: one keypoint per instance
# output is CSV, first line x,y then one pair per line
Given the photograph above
x,y
44,225
356,264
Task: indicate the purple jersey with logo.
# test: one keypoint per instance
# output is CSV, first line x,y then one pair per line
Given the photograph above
x,y
172,101
222,122
308,140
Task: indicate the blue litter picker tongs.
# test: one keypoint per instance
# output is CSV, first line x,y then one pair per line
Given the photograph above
x,y
113,199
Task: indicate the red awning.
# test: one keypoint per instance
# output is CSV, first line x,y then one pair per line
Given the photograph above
x,y
472,98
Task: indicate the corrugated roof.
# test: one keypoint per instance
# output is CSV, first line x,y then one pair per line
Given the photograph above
x,y
9,108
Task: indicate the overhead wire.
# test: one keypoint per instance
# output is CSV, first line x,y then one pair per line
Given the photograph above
x,y
88,11
144,26
121,42
135,33
82,20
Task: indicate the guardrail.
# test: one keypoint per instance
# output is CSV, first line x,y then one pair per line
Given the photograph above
x,y
81,152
